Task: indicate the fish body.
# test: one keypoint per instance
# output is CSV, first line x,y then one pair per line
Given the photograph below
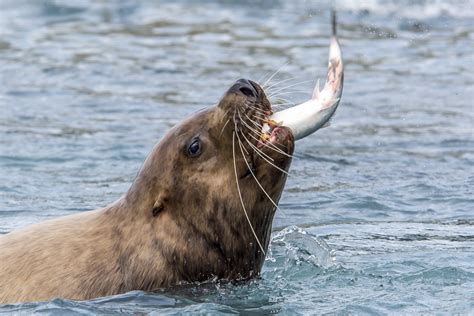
x,y
308,117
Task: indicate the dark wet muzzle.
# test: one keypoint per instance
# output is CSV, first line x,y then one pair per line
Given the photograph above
x,y
244,87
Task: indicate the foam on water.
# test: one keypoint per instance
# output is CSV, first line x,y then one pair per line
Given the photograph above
x,y
412,9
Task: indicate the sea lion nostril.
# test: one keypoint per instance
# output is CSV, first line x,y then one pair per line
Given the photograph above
x,y
244,87
254,85
247,91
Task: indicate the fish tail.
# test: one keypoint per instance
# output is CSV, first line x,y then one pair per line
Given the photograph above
x,y
333,22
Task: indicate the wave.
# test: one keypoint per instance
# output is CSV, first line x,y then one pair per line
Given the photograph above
x,y
411,8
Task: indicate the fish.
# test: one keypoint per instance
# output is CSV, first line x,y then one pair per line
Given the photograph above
x,y
306,118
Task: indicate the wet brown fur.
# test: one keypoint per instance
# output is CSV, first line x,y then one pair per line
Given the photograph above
x,y
180,221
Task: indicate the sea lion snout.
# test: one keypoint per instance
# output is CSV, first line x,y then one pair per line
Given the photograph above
x,y
244,87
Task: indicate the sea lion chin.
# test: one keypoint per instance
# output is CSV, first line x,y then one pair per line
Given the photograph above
x,y
200,208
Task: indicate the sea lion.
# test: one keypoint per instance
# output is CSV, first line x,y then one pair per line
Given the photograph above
x,y
200,208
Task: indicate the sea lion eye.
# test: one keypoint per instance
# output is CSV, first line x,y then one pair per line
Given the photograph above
x,y
195,148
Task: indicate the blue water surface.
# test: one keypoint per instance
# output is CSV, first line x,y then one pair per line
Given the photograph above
x,y
377,216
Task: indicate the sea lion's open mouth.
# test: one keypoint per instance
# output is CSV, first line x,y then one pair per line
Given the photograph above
x,y
247,111
279,135
257,102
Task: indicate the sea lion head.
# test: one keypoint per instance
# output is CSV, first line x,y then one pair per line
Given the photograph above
x,y
214,184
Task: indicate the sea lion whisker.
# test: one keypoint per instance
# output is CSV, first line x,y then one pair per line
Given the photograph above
x,y
259,151
240,142
259,134
257,111
252,106
267,144
259,117
253,175
248,126
277,105
286,93
225,114
240,196
278,89
272,147
222,130
275,73
283,104
253,122
256,148
292,85
236,127
276,98
279,82
261,154
279,97
256,114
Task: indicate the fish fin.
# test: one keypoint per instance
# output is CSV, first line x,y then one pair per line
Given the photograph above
x,y
316,91
330,103
327,124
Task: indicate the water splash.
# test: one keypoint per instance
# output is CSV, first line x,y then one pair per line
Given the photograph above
x,y
299,247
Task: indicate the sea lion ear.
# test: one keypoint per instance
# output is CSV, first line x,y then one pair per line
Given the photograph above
x,y
158,207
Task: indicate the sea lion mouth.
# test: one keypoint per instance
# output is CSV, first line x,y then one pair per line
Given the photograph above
x,y
248,110
277,134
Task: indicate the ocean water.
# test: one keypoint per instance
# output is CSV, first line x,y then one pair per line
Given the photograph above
x,y
377,216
